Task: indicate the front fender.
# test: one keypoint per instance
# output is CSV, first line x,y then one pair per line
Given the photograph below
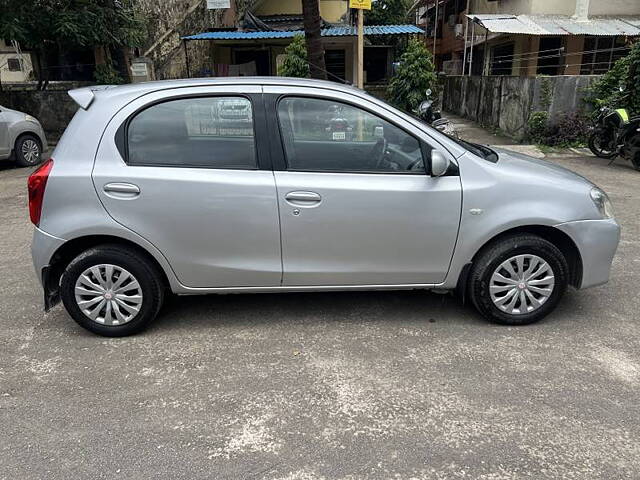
x,y
21,127
513,193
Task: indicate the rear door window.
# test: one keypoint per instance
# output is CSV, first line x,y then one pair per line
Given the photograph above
x,y
205,132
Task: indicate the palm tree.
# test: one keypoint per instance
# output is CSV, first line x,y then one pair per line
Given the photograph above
x,y
315,49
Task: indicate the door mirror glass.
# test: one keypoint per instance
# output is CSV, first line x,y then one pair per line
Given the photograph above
x,y
439,163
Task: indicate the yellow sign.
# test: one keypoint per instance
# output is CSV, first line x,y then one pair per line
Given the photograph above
x,y
363,4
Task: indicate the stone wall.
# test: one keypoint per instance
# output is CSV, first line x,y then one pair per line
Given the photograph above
x,y
54,108
507,102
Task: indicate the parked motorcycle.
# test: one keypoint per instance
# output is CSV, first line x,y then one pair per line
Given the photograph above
x,y
615,134
428,114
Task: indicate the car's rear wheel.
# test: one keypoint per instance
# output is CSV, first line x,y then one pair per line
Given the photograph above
x,y
112,290
518,279
28,151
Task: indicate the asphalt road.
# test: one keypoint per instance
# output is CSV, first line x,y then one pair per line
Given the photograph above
x,y
324,386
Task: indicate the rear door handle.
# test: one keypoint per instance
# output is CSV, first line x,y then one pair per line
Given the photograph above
x,y
303,199
121,190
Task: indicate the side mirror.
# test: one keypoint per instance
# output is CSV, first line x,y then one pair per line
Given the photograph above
x,y
439,164
428,92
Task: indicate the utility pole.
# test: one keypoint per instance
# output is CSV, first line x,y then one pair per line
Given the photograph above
x,y
360,48
360,5
435,31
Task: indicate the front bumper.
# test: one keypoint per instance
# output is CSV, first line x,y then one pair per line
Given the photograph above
x,y
597,241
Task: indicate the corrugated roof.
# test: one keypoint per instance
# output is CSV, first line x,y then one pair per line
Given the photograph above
x,y
347,31
558,25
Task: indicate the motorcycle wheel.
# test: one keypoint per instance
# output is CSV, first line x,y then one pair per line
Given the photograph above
x,y
635,161
597,149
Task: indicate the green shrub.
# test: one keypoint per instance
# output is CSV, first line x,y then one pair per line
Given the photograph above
x,y
107,75
295,62
567,130
624,73
414,75
537,126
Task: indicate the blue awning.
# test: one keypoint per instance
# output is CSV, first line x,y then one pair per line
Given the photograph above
x,y
346,31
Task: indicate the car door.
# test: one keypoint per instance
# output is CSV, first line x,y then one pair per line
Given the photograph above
x,y
184,169
5,147
357,206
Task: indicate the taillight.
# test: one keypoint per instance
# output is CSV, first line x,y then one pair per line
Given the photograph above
x,y
36,185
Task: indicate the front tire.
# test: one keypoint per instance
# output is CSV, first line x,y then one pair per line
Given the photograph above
x,y
518,280
28,151
112,290
595,145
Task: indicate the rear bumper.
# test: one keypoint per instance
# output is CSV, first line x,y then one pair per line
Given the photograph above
x,y
43,246
597,241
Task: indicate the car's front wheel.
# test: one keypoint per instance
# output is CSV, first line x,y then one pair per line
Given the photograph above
x,y
28,151
112,290
518,279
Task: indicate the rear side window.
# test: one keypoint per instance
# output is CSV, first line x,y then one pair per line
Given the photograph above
x,y
215,132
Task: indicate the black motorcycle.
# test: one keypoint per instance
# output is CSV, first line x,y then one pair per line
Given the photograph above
x,y
428,114
615,134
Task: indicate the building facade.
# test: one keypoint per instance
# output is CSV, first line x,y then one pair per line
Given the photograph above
x,y
255,44
529,37
15,65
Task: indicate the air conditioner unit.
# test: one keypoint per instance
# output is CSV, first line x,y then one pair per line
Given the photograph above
x,y
452,20
459,30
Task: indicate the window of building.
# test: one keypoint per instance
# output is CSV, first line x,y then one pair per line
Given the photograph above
x,y
13,64
550,56
502,59
328,136
335,62
600,53
215,132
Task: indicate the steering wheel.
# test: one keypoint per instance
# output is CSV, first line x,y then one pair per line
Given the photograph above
x,y
413,164
379,151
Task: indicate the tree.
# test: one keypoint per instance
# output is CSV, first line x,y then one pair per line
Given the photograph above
x,y
387,12
625,73
47,25
315,49
415,74
295,61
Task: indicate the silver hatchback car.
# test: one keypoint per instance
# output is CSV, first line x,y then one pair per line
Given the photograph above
x,y
286,185
21,137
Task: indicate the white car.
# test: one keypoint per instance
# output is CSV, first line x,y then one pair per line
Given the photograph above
x,y
21,137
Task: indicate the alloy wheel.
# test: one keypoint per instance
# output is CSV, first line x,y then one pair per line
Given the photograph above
x,y
30,151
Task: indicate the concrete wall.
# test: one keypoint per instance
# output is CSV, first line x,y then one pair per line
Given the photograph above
x,y
614,7
330,10
54,108
507,102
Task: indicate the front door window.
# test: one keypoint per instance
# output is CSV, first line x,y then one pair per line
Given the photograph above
x,y
330,136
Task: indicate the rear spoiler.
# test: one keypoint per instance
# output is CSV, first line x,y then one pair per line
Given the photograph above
x,y
84,96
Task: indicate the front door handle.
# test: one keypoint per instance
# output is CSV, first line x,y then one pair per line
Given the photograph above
x,y
121,190
303,199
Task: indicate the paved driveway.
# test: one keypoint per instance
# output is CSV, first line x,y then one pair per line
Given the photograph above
x,y
324,386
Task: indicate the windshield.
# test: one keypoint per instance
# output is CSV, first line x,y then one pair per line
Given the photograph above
x,y
481,151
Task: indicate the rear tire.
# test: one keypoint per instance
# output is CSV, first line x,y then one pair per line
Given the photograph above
x,y
491,296
112,290
28,151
